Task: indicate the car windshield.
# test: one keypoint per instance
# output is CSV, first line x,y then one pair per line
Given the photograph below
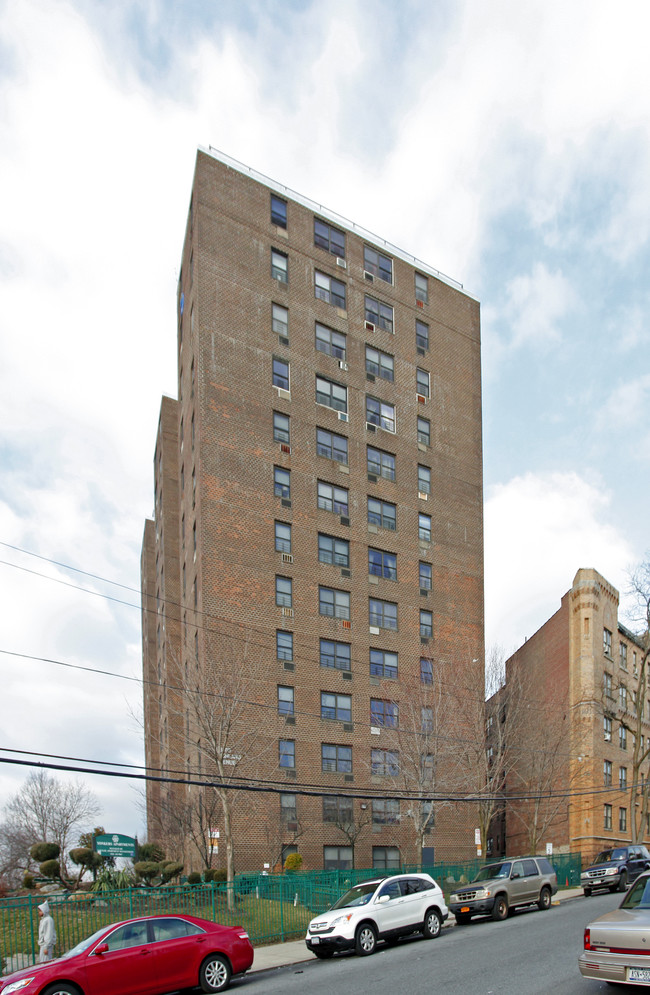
x,y
359,895
494,871
84,944
638,897
619,853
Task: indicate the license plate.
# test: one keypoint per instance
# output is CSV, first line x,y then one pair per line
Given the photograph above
x,y
464,908
639,974
315,939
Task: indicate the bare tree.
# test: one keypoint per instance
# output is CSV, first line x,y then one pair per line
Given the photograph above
x,y
339,812
47,810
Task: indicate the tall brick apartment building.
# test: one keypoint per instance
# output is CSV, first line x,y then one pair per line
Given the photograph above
x,y
317,547
582,678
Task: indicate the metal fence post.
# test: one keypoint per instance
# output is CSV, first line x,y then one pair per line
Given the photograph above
x,y
31,929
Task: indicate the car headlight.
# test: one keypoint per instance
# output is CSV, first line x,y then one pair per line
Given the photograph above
x,y
454,898
17,986
482,893
345,918
611,870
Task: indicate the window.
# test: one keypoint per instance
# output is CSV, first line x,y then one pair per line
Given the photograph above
x,y
335,604
386,858
279,266
285,701
133,935
287,753
288,808
421,335
380,413
336,758
278,211
427,767
335,706
424,479
337,858
331,239
331,498
282,482
383,614
380,315
333,654
426,720
326,288
283,591
607,816
282,537
622,778
426,576
422,382
622,819
421,288
424,431
607,684
622,649
622,737
280,427
380,463
622,698
607,729
380,364
336,809
280,320
281,373
385,811
333,550
284,645
424,527
607,643
384,763
331,394
426,670
383,664
382,514
329,341
377,264
384,713
426,623
382,564
607,773
331,445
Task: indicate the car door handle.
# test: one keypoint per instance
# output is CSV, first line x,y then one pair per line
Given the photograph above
x,y
144,951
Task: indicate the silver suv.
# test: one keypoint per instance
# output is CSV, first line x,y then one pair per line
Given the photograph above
x,y
381,909
499,887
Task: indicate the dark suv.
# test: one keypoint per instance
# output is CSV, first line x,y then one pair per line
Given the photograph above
x,y
614,869
502,886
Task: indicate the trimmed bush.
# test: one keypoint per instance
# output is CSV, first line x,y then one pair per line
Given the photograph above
x,y
28,881
293,862
50,869
41,852
194,877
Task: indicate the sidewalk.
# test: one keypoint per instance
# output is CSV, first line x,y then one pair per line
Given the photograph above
x,y
295,951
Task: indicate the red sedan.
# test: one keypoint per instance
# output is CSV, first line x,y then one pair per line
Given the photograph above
x,y
148,956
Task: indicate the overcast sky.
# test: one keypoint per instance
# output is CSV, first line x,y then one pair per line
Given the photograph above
x,y
504,142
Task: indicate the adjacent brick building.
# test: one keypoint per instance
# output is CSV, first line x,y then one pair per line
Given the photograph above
x,y
317,548
581,677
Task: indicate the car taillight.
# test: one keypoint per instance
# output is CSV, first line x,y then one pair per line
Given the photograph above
x,y
588,939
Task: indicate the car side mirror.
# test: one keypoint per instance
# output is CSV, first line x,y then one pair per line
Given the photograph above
x,y
101,949
515,874
383,899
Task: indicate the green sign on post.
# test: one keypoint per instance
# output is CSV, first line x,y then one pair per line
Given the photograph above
x,y
115,845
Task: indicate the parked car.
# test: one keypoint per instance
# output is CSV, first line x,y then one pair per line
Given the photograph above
x,y
148,956
381,909
616,944
615,868
505,885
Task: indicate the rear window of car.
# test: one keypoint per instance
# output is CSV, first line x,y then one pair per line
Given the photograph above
x,y
530,868
171,929
544,866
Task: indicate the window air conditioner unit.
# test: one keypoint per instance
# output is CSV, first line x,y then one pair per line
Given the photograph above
x,y
370,426
368,276
287,612
287,558
369,326
284,448
343,365
347,624
423,496
419,303
421,399
341,262
343,416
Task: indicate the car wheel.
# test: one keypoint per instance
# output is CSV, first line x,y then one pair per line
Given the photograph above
x,y
432,925
587,892
215,973
61,989
544,899
622,881
500,908
322,954
463,919
365,940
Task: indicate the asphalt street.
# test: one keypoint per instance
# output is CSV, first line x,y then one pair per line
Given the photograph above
x,y
531,953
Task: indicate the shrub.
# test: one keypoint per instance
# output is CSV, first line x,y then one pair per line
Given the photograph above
x,y
42,852
50,869
194,877
147,870
170,870
28,881
219,875
293,862
151,853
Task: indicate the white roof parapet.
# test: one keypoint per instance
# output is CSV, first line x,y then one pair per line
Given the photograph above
x,y
325,212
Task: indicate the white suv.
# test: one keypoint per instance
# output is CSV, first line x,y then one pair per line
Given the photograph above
x,y
381,909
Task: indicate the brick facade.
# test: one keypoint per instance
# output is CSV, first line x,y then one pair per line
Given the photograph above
x,y
215,551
